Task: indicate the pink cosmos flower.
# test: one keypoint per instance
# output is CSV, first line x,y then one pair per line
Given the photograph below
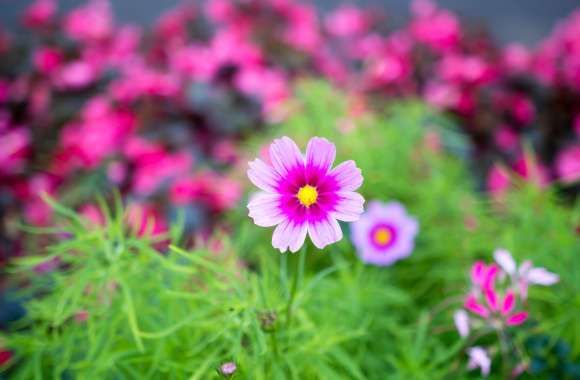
x,y
479,358
384,234
302,195
485,300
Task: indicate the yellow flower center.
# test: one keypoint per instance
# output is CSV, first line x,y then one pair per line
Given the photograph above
x,y
383,236
307,195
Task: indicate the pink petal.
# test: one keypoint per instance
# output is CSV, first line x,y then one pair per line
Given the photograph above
x,y
349,207
324,232
490,275
491,298
285,155
517,318
289,235
508,303
541,276
263,176
461,320
505,260
472,305
320,153
477,271
347,175
264,209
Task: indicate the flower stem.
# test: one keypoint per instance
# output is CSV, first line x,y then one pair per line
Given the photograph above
x,y
297,276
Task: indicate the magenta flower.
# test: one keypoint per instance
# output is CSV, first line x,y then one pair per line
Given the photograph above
x,y
384,234
303,195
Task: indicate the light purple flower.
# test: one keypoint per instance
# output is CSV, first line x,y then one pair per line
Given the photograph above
x,y
384,234
479,358
302,195
228,369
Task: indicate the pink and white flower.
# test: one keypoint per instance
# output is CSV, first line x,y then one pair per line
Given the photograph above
x,y
479,358
526,274
302,195
485,301
384,234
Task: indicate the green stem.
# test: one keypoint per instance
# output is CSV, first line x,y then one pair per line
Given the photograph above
x,y
297,275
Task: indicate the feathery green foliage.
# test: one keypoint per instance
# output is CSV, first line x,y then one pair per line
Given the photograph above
x,y
182,313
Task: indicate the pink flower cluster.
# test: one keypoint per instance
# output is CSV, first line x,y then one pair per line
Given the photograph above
x,y
498,294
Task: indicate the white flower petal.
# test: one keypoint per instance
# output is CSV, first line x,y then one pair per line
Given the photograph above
x,y
505,260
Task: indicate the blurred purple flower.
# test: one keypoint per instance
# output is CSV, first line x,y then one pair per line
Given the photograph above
x,y
384,234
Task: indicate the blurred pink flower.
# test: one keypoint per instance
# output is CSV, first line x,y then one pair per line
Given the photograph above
x,y
348,21
568,164
91,22
434,27
505,138
146,220
48,59
268,85
93,214
152,171
442,95
302,30
479,358
40,14
516,58
14,147
498,181
384,234
101,132
529,168
219,193
464,69
75,75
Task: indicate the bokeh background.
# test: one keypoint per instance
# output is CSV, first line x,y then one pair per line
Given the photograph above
x,y
526,21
